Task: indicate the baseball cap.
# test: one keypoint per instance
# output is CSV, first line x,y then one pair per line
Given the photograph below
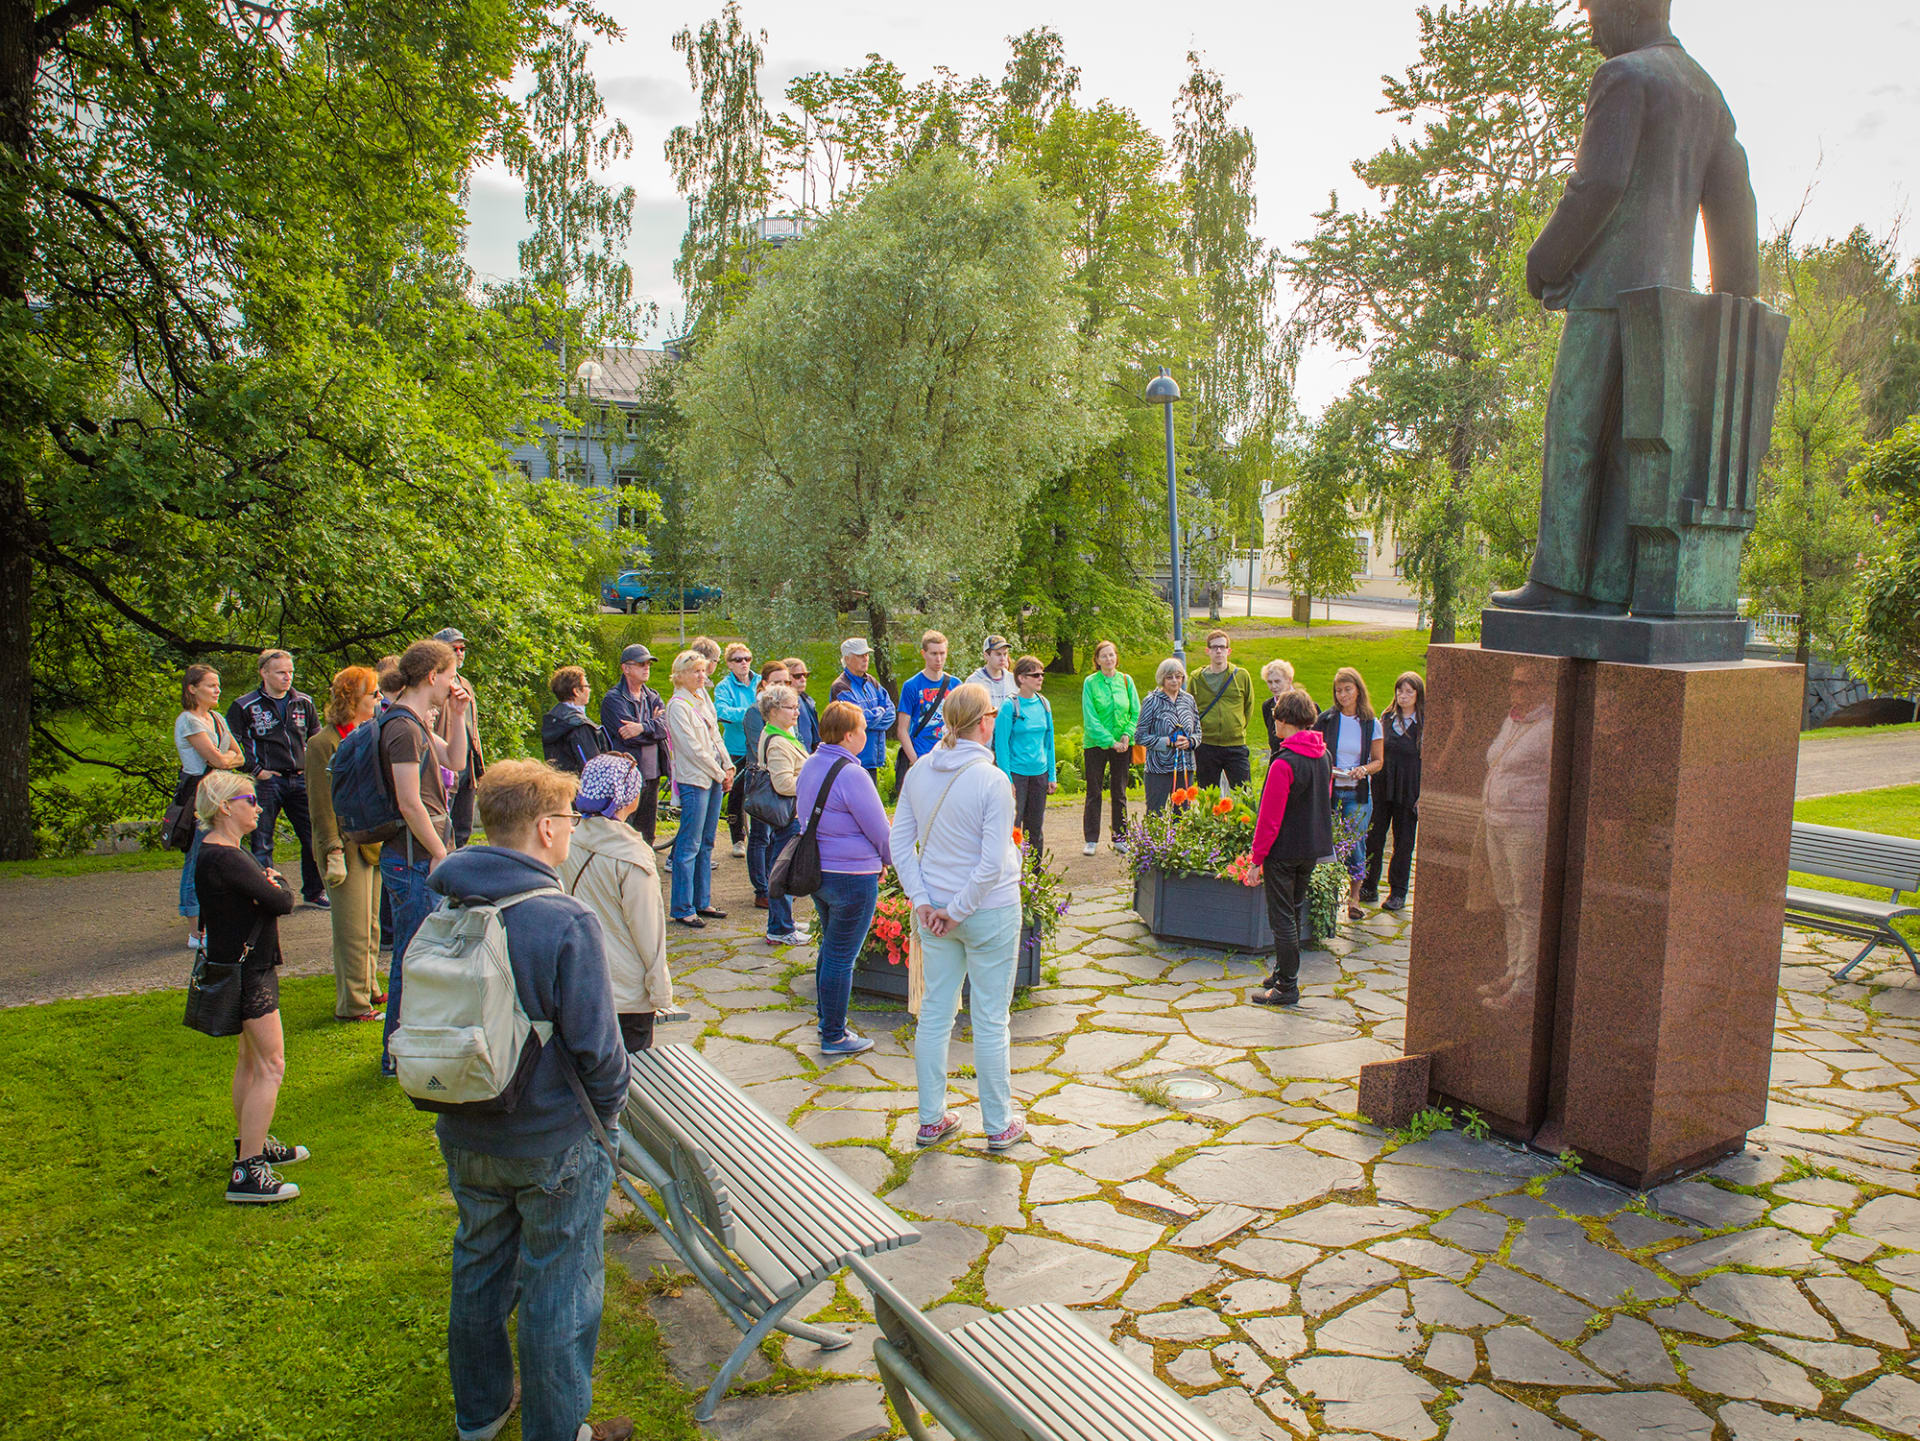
x,y
635,655
450,636
855,646
996,642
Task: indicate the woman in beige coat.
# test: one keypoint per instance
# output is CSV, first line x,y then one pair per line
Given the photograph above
x,y
610,867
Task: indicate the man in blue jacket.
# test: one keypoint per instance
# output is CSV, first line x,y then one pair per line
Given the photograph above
x,y
532,1184
854,684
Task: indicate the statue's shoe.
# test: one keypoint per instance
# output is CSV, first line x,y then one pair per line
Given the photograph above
x,y
1536,596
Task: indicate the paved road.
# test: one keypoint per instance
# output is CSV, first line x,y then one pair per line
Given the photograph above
x,y
1833,765
1278,603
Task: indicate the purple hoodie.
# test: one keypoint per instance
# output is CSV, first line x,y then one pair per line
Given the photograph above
x,y
854,826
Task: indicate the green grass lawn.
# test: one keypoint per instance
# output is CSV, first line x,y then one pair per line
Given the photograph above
x,y
142,1304
1894,811
1827,733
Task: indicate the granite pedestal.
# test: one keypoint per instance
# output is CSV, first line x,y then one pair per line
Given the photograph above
x,y
1596,968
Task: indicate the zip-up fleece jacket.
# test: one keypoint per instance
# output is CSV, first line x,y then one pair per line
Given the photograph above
x,y
560,972
875,704
732,699
967,861
1296,803
1109,709
1023,737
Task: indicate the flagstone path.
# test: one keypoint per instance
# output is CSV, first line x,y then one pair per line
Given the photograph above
x,y
1296,1271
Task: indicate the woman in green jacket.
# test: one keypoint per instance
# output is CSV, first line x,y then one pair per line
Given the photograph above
x,y
1109,712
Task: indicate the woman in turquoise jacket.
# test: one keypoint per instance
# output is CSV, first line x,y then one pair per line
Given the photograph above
x,y
1023,748
732,699
1110,712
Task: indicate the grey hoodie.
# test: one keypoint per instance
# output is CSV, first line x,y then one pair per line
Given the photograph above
x,y
561,973
967,862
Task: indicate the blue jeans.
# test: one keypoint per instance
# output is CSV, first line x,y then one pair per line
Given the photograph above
x,y
982,950
1361,813
189,895
845,905
288,794
531,1234
760,854
405,883
779,908
692,888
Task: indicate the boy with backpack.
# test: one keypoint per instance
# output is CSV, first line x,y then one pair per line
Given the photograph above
x,y
525,1160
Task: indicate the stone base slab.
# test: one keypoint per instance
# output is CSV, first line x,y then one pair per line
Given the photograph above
x,y
1624,639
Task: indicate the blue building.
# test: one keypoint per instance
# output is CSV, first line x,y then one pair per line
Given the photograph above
x,y
614,445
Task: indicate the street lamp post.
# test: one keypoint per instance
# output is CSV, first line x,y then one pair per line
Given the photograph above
x,y
1164,389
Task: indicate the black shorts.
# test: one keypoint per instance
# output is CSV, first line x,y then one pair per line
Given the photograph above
x,y
259,992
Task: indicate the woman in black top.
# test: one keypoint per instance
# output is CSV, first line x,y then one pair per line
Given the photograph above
x,y
1278,674
237,895
1396,793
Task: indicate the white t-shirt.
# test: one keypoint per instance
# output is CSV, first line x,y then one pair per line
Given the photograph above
x,y
189,724
1346,750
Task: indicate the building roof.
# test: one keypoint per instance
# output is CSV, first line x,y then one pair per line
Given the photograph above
x,y
622,368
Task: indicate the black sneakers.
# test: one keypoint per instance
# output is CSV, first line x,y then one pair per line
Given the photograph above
x,y
1272,996
254,1182
276,1152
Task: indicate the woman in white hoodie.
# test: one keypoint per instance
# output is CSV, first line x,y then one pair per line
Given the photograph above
x,y
953,851
610,867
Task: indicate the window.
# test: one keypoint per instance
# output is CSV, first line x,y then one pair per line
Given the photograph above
x,y
629,512
1364,543
525,467
1399,559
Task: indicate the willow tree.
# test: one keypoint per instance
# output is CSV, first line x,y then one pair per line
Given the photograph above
x,y
864,430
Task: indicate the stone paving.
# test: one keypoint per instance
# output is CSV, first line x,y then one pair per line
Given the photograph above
x,y
1298,1272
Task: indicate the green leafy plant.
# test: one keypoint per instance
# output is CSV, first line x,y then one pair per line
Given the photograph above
x,y
1473,1125
1568,1162
1426,1122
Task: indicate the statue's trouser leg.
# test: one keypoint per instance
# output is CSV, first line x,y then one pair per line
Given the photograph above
x,y
1584,547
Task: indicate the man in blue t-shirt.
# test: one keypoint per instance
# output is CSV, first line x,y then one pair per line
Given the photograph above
x,y
920,725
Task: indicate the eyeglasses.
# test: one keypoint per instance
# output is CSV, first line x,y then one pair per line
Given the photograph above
x,y
572,818
1218,645
251,800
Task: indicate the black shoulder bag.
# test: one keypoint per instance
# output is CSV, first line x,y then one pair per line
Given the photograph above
x,y
901,760
797,870
213,992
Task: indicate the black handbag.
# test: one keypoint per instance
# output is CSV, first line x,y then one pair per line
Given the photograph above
x,y
213,991
764,803
178,825
796,872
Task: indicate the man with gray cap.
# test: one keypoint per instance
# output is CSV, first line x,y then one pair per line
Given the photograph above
x,y
995,674
460,804
635,720
855,685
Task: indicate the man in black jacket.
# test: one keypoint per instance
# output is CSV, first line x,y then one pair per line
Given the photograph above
x,y
634,720
273,722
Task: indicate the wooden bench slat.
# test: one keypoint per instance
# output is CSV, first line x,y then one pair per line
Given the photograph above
x,y
775,1253
1076,1382
814,1201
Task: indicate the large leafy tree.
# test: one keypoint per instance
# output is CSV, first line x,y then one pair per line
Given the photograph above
x,y
1813,527
245,399
1494,103
1883,643
866,426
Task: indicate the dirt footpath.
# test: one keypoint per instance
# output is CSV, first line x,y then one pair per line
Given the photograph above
x,y
122,931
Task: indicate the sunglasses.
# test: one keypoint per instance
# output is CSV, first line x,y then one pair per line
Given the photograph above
x,y
251,800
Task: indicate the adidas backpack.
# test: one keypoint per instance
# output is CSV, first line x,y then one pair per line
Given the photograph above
x,y
464,1042
364,804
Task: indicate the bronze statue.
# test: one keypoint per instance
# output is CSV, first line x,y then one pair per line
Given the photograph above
x,y
1657,152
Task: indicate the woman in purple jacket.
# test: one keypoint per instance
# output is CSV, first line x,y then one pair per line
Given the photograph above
x,y
853,851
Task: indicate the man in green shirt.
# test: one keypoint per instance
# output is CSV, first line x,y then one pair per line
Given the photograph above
x,y
1223,692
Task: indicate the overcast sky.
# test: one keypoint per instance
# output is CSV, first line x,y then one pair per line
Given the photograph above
x,y
1827,96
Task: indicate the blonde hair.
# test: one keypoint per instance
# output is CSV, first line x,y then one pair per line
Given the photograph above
x,y
216,789
964,709
1277,669
739,650
513,795
268,657
686,661
707,647
928,638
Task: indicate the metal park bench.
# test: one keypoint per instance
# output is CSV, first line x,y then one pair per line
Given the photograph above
x,y
758,1215
1867,859
1032,1374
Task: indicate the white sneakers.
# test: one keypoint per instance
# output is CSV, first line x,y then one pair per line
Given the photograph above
x,y
739,848
1091,848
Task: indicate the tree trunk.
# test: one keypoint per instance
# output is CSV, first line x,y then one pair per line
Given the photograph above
x,y
1445,573
882,645
1063,662
18,66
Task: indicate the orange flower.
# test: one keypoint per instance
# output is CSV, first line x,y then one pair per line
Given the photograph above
x,y
1019,836
1223,806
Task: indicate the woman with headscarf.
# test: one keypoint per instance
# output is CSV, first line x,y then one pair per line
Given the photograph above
x,y
610,867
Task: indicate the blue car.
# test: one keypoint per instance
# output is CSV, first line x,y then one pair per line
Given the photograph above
x,y
634,590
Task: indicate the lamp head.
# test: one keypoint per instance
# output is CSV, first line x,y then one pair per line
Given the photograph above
x,y
1163,388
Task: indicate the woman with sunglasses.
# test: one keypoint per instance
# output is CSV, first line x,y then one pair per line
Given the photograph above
x,y
241,903
610,867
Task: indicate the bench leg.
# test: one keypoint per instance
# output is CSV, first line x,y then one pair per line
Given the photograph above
x,y
1871,946
749,1343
